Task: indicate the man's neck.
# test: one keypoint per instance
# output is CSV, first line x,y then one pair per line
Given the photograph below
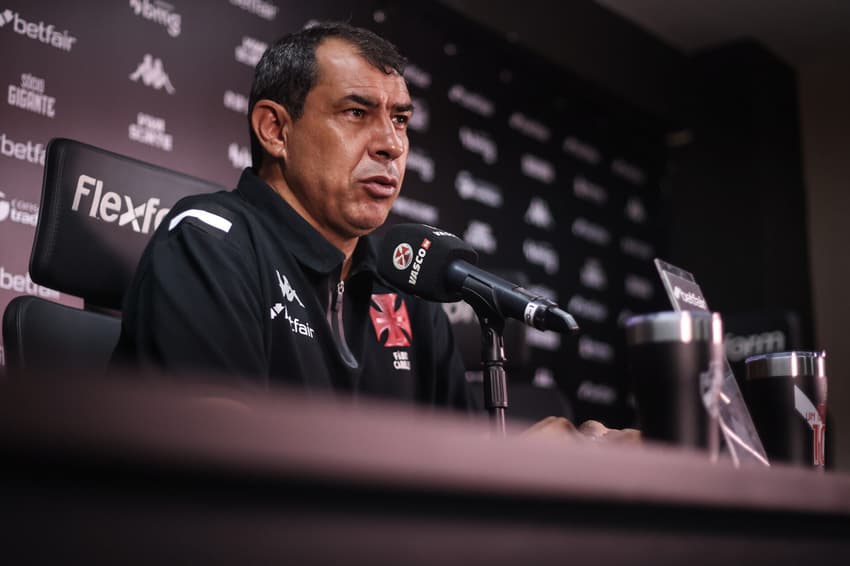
x,y
273,177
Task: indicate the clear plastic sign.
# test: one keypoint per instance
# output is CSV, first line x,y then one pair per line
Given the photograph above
x,y
733,416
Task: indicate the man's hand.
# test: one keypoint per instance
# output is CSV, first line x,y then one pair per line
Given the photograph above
x,y
588,430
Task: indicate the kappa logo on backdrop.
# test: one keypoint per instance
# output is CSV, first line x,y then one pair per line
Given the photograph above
x,y
18,211
594,350
265,10
416,210
45,33
30,96
538,214
158,12
593,275
250,51
152,73
239,156
635,210
636,248
150,130
389,315
112,207
587,308
402,256
30,152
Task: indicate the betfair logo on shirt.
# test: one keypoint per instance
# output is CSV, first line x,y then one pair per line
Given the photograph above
x,y
109,206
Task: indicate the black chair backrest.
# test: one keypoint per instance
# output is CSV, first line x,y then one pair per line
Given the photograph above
x,y
98,211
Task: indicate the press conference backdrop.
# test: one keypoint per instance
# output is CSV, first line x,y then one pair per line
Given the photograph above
x,y
537,171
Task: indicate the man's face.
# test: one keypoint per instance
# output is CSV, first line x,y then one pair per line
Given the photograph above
x,y
345,156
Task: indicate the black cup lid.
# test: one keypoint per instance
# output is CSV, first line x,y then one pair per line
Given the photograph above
x,y
673,326
786,364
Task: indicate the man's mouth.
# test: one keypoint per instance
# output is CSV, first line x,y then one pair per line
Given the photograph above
x,y
380,186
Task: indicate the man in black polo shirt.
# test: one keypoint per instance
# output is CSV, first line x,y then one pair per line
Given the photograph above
x,y
276,281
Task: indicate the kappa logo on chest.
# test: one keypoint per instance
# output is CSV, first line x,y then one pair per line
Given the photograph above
x,y
289,296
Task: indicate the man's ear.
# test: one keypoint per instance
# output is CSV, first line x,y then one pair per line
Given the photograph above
x,y
270,122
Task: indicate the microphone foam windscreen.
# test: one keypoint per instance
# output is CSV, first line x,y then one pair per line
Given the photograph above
x,y
415,258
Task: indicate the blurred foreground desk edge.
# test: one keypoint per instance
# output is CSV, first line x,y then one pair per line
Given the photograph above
x,y
147,473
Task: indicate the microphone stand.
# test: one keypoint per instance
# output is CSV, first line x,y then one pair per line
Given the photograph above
x,y
492,353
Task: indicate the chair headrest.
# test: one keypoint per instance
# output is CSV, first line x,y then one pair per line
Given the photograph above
x,y
98,211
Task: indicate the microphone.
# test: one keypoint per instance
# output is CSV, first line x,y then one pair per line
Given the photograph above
x,y
438,266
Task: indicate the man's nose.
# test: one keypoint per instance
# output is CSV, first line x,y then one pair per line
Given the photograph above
x,y
388,142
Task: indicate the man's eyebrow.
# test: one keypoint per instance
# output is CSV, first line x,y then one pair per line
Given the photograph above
x,y
371,103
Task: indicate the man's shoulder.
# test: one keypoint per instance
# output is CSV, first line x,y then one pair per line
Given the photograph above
x,y
220,213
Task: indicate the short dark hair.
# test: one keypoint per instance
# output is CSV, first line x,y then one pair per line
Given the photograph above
x,y
287,70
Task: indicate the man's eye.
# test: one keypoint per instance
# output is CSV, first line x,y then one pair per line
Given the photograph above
x,y
402,119
356,112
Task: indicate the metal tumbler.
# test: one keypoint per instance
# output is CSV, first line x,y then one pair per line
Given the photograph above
x,y
786,395
669,356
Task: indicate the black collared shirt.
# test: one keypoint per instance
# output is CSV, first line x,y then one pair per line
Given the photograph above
x,y
237,283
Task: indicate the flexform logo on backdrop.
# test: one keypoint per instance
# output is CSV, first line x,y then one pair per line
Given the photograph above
x,y
111,207
261,8
419,161
18,211
30,96
150,130
250,51
416,210
158,12
151,72
10,281
471,100
41,32
28,151
479,142
472,188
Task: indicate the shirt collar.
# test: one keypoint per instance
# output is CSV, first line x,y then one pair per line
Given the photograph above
x,y
302,240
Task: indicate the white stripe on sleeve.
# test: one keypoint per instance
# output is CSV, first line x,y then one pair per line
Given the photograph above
x,y
204,216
